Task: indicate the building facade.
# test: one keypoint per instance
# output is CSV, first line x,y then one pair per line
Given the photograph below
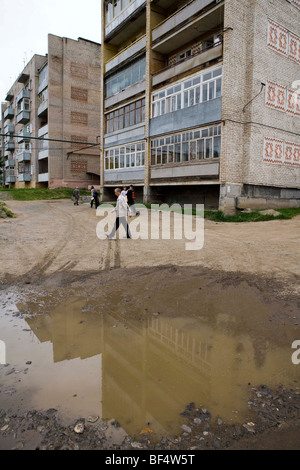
x,y
199,101
51,118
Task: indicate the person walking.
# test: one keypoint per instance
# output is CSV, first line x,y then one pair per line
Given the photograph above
x,y
131,201
122,212
76,196
94,198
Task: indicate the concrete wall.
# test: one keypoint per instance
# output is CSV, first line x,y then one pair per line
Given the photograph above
x,y
124,176
132,134
74,110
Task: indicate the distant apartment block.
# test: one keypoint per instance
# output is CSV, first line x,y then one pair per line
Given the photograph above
x,y
197,101
56,97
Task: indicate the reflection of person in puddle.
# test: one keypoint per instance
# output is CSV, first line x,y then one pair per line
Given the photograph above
x,y
122,212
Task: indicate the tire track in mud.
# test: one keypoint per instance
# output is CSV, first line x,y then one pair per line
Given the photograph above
x,y
112,258
41,267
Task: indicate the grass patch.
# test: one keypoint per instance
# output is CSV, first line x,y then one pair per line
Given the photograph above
x,y
42,194
3,209
254,216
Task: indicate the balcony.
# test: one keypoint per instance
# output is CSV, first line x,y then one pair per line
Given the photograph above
x,y
23,137
44,178
24,156
23,78
184,25
24,177
9,113
23,95
43,154
128,54
9,96
9,146
203,57
10,179
10,129
23,117
43,107
132,15
9,163
43,130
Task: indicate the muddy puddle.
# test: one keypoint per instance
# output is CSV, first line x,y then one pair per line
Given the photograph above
x,y
92,355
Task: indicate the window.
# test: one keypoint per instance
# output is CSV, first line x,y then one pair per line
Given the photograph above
x,y
196,145
114,7
130,156
127,116
130,75
205,87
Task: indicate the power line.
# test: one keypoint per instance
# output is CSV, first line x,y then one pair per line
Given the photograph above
x,y
46,139
245,123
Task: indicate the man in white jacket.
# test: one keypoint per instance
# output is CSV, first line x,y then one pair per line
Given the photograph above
x,y
122,213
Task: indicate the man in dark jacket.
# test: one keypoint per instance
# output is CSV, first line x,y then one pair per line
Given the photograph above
x,y
76,196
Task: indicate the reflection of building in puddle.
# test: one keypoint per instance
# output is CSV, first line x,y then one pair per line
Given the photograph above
x,y
151,370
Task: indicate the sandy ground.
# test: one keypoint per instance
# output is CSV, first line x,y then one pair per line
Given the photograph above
x,y
52,237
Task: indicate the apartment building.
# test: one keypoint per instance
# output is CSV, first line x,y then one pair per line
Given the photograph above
x,y
51,118
199,102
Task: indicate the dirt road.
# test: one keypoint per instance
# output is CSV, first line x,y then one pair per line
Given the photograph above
x,y
55,237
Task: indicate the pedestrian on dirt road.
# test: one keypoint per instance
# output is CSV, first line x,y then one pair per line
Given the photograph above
x,y
131,201
94,198
76,196
122,212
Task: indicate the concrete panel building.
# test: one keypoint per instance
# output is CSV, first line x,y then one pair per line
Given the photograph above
x,y
199,101
52,115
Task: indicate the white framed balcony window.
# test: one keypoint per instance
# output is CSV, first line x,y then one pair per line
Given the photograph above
x,y
203,87
127,156
196,145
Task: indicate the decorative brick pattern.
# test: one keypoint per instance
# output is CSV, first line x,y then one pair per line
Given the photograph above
x,y
283,41
79,70
275,96
78,138
293,103
79,118
296,3
79,94
79,166
282,98
281,152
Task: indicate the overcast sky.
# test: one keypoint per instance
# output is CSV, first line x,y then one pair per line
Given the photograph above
x,y
25,25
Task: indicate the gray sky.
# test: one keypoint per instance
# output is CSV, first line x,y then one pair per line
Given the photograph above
x,y
25,25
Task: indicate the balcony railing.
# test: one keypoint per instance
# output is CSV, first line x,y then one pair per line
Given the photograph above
x,y
10,179
10,146
23,136
10,129
23,117
42,107
123,16
23,94
9,163
9,113
126,54
24,156
44,178
24,177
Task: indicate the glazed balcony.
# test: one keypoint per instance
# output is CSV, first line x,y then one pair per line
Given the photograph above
x,y
133,16
184,25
